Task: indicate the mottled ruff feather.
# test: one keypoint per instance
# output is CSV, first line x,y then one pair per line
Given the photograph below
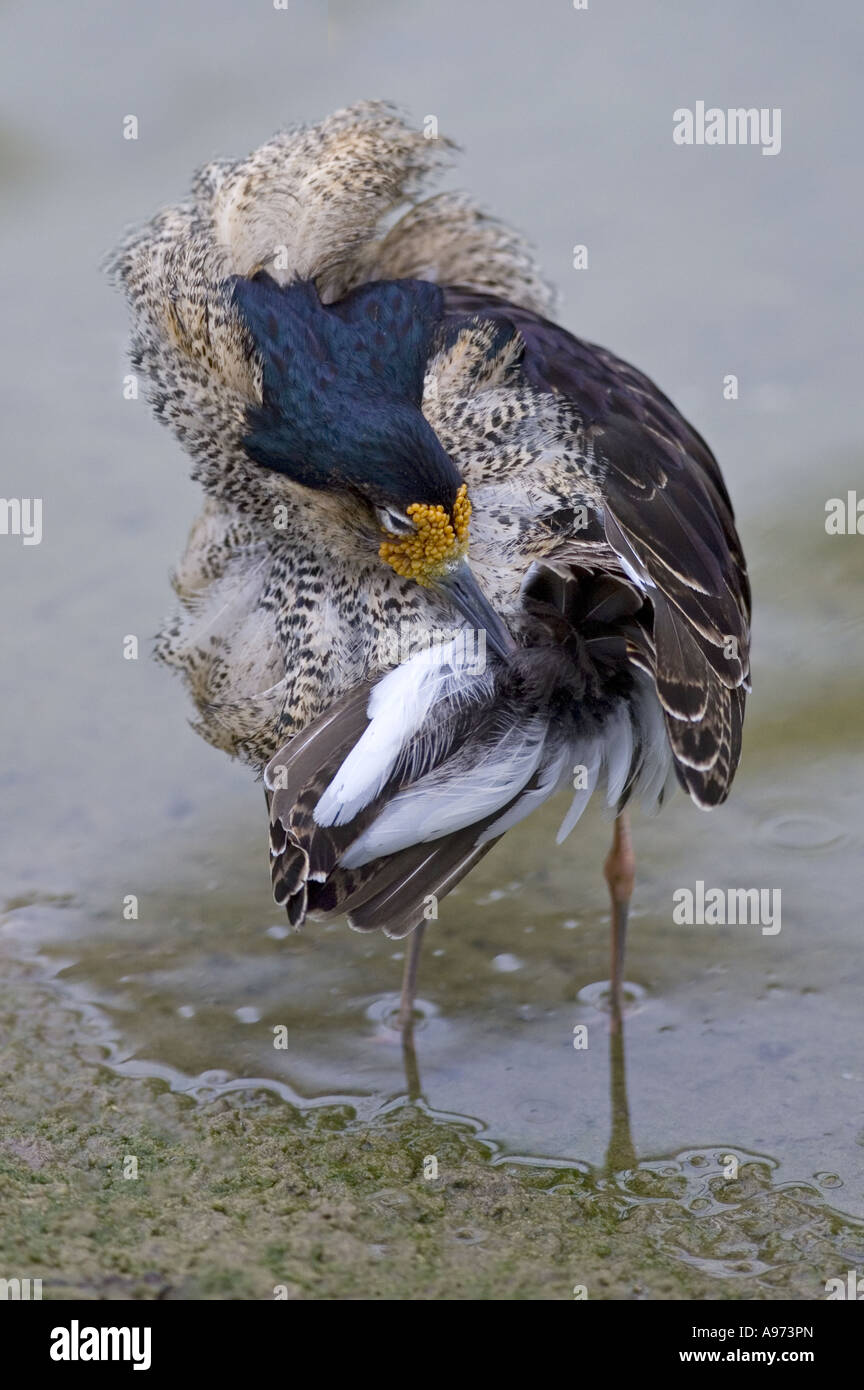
x,y
602,532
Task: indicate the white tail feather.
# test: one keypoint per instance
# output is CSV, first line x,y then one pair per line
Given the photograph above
x,y
590,758
398,706
452,797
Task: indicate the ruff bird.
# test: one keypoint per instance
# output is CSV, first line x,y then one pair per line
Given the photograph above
x,y
451,558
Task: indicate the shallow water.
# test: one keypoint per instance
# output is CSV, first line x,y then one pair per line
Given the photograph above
x,y
737,1043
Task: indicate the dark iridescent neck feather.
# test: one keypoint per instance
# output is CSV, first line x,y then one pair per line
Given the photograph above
x,y
342,389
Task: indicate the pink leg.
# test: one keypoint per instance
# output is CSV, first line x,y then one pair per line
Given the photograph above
x,y
409,976
619,870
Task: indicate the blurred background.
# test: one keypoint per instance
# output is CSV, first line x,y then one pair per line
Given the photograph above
x,y
703,261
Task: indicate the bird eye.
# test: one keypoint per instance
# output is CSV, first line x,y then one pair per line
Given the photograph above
x,y
397,523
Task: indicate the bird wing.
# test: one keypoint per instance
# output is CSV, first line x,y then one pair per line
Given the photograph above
x,y
394,793
667,516
343,839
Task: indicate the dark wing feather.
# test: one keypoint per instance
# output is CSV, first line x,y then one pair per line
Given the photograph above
x,y
666,511
293,781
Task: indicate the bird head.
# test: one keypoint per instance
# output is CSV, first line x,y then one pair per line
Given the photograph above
x,y
340,413
427,542
420,504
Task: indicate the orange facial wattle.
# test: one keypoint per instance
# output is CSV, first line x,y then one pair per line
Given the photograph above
x,y
438,541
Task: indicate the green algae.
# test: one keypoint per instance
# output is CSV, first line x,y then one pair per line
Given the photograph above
x,y
245,1196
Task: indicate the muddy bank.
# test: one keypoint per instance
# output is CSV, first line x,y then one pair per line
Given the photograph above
x,y
240,1194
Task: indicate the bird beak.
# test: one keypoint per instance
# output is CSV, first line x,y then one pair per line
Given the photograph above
x,y
459,587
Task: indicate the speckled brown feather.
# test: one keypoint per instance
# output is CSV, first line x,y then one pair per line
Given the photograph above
x,y
572,459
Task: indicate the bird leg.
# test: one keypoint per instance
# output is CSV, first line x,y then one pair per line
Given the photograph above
x,y
619,871
409,977
621,1152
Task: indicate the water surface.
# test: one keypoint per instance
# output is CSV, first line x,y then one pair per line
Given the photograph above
x,y
702,262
